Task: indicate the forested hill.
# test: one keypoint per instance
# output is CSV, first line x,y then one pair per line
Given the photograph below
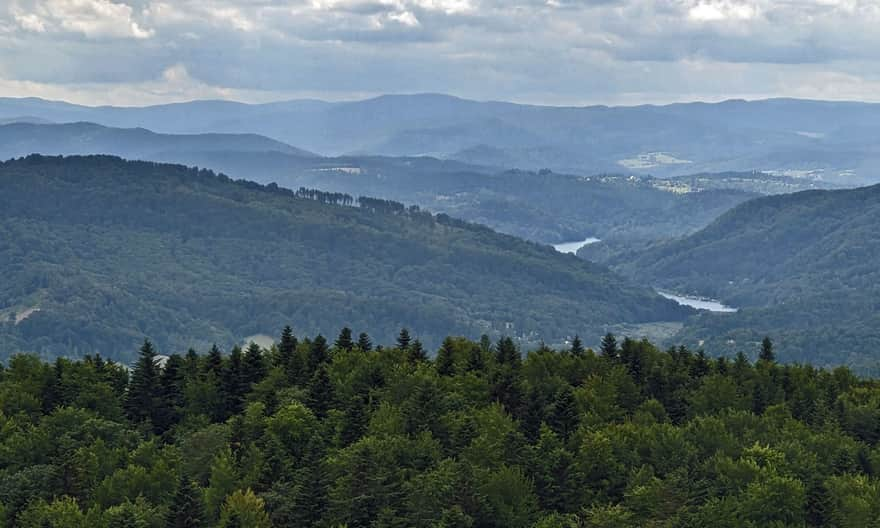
x,y
805,267
21,139
314,434
98,252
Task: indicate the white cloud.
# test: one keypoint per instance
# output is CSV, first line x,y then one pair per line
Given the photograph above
x,y
714,11
96,19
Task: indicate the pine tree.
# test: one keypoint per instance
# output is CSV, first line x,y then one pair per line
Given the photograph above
x,y
254,365
188,508
819,505
234,383
445,362
403,339
767,351
344,342
476,362
533,416
191,365
214,362
565,417
577,348
609,346
320,397
142,399
415,353
364,342
354,425
171,383
506,352
288,359
318,353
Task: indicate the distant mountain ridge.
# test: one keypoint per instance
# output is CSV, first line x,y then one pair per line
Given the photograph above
x,y
835,141
20,139
538,205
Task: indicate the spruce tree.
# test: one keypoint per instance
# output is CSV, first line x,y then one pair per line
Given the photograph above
x,y
188,508
506,352
609,346
476,362
577,348
286,347
254,365
288,359
320,397
354,425
565,417
318,353
234,383
142,399
767,353
214,362
415,353
364,342
171,383
533,416
403,339
344,341
445,362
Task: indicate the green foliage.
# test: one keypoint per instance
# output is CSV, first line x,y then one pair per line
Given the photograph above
x,y
243,509
100,252
803,268
373,438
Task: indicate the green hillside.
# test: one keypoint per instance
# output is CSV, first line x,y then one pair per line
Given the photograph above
x,y
98,252
804,268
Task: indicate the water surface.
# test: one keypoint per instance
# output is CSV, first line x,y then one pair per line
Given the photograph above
x,y
573,247
699,303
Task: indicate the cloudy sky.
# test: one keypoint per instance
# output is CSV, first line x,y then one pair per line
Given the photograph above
x,y
538,51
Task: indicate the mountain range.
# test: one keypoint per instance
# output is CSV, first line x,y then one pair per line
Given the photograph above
x,y
830,141
543,206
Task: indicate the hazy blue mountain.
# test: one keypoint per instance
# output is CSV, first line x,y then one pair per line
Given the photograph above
x,y
804,268
96,253
21,139
542,206
831,141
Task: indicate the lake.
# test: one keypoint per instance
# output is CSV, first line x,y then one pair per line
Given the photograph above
x,y
573,247
699,303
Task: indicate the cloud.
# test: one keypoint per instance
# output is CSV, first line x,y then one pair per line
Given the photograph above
x,y
97,19
531,50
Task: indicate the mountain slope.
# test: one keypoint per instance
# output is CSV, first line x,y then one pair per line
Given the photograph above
x,y
21,139
804,268
97,253
835,141
544,206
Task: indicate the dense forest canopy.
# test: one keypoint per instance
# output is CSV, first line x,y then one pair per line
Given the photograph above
x,y
804,267
343,432
98,252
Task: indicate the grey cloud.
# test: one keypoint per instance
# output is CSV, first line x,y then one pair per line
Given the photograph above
x,y
522,49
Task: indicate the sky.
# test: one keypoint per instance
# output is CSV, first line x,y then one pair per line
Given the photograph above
x,y
558,52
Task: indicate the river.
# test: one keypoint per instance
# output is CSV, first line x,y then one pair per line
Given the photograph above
x,y
699,303
573,247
